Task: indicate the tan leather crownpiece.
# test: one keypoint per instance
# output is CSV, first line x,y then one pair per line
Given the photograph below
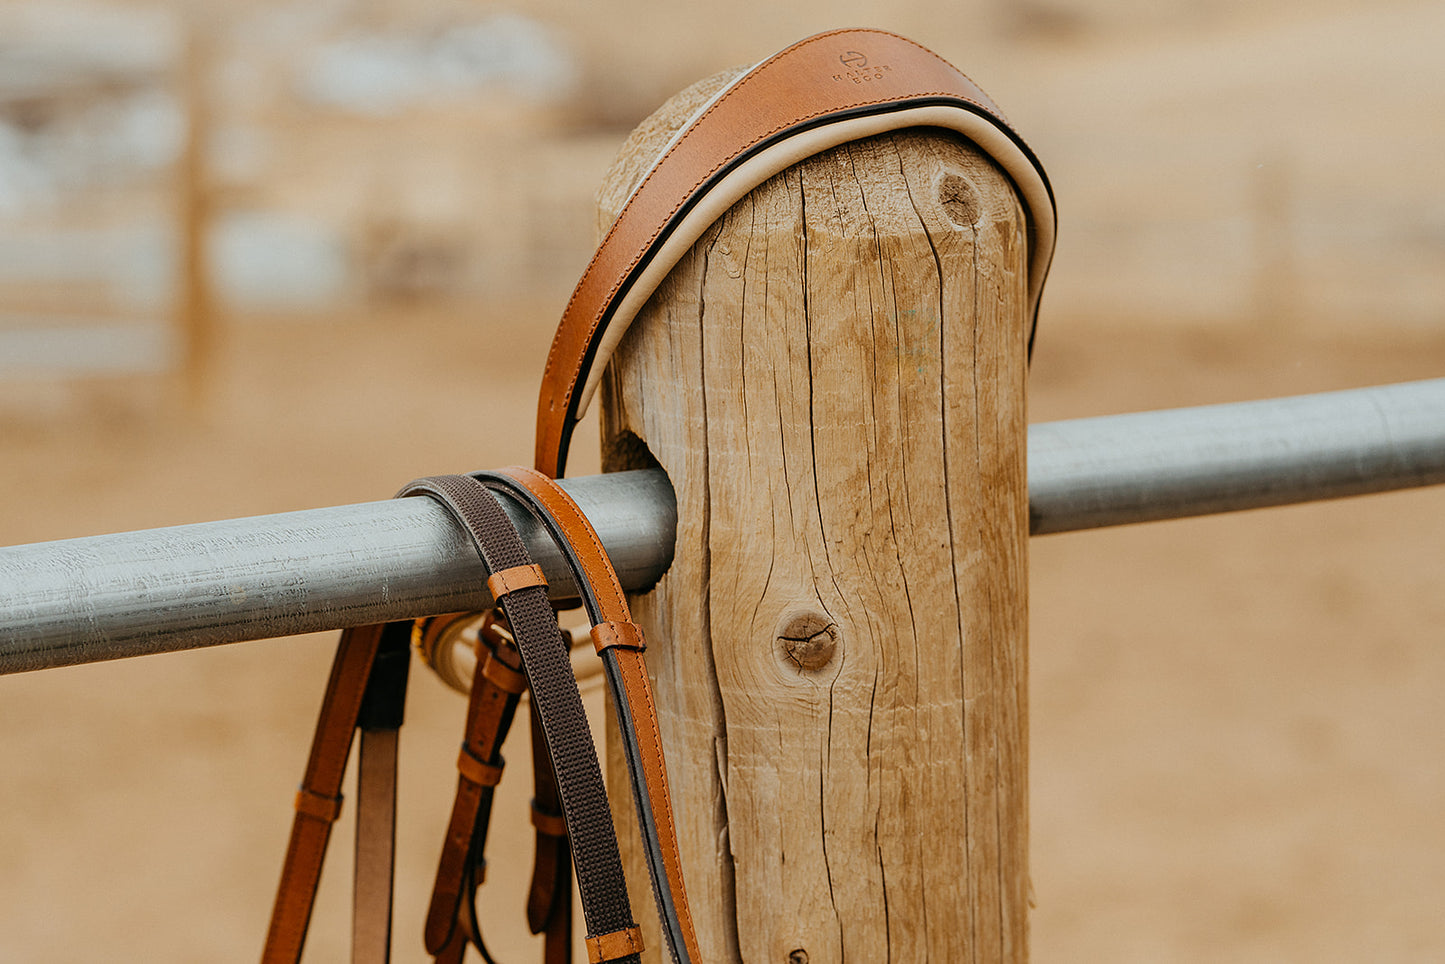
x,y
610,947
812,96
626,635
511,580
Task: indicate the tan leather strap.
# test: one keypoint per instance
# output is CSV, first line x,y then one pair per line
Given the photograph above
x,y
319,800
518,577
374,869
821,92
632,691
497,685
379,722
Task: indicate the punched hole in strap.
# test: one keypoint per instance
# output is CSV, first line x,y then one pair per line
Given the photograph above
x,y
622,635
611,947
547,823
478,772
504,581
318,805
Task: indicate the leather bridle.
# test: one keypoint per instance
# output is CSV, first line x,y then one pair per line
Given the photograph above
x,y
827,90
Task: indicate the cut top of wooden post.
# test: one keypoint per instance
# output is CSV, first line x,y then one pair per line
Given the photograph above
x,y
833,379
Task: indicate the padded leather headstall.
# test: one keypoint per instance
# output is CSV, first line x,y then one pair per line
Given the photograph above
x,y
830,89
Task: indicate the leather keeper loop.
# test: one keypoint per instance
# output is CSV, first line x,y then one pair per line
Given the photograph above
x,y
624,635
618,944
315,805
548,824
502,676
479,772
510,580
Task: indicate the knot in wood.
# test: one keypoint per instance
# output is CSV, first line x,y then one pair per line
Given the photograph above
x,y
809,640
960,200
798,956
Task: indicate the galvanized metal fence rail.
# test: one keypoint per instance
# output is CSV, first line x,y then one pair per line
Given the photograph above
x,y
113,596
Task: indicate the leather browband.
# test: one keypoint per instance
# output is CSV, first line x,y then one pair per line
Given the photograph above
x,y
827,90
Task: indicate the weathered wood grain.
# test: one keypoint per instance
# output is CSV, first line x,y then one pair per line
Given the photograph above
x,y
833,379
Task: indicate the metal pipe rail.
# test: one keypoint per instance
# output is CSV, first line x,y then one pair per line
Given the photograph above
x,y
184,587
1170,464
107,597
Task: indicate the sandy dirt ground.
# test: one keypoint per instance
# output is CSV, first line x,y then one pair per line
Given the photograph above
x,y
1236,735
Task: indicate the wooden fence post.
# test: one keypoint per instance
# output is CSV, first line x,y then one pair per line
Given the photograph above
x,y
833,379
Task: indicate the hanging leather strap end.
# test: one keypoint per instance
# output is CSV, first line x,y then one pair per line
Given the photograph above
x,y
614,946
619,634
505,581
383,704
318,806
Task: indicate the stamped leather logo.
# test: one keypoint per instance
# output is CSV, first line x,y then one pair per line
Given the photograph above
x,y
858,70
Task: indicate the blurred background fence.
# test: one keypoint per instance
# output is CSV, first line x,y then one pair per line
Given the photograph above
x,y
1218,161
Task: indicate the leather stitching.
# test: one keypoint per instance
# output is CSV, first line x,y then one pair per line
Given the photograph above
x,y
556,498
